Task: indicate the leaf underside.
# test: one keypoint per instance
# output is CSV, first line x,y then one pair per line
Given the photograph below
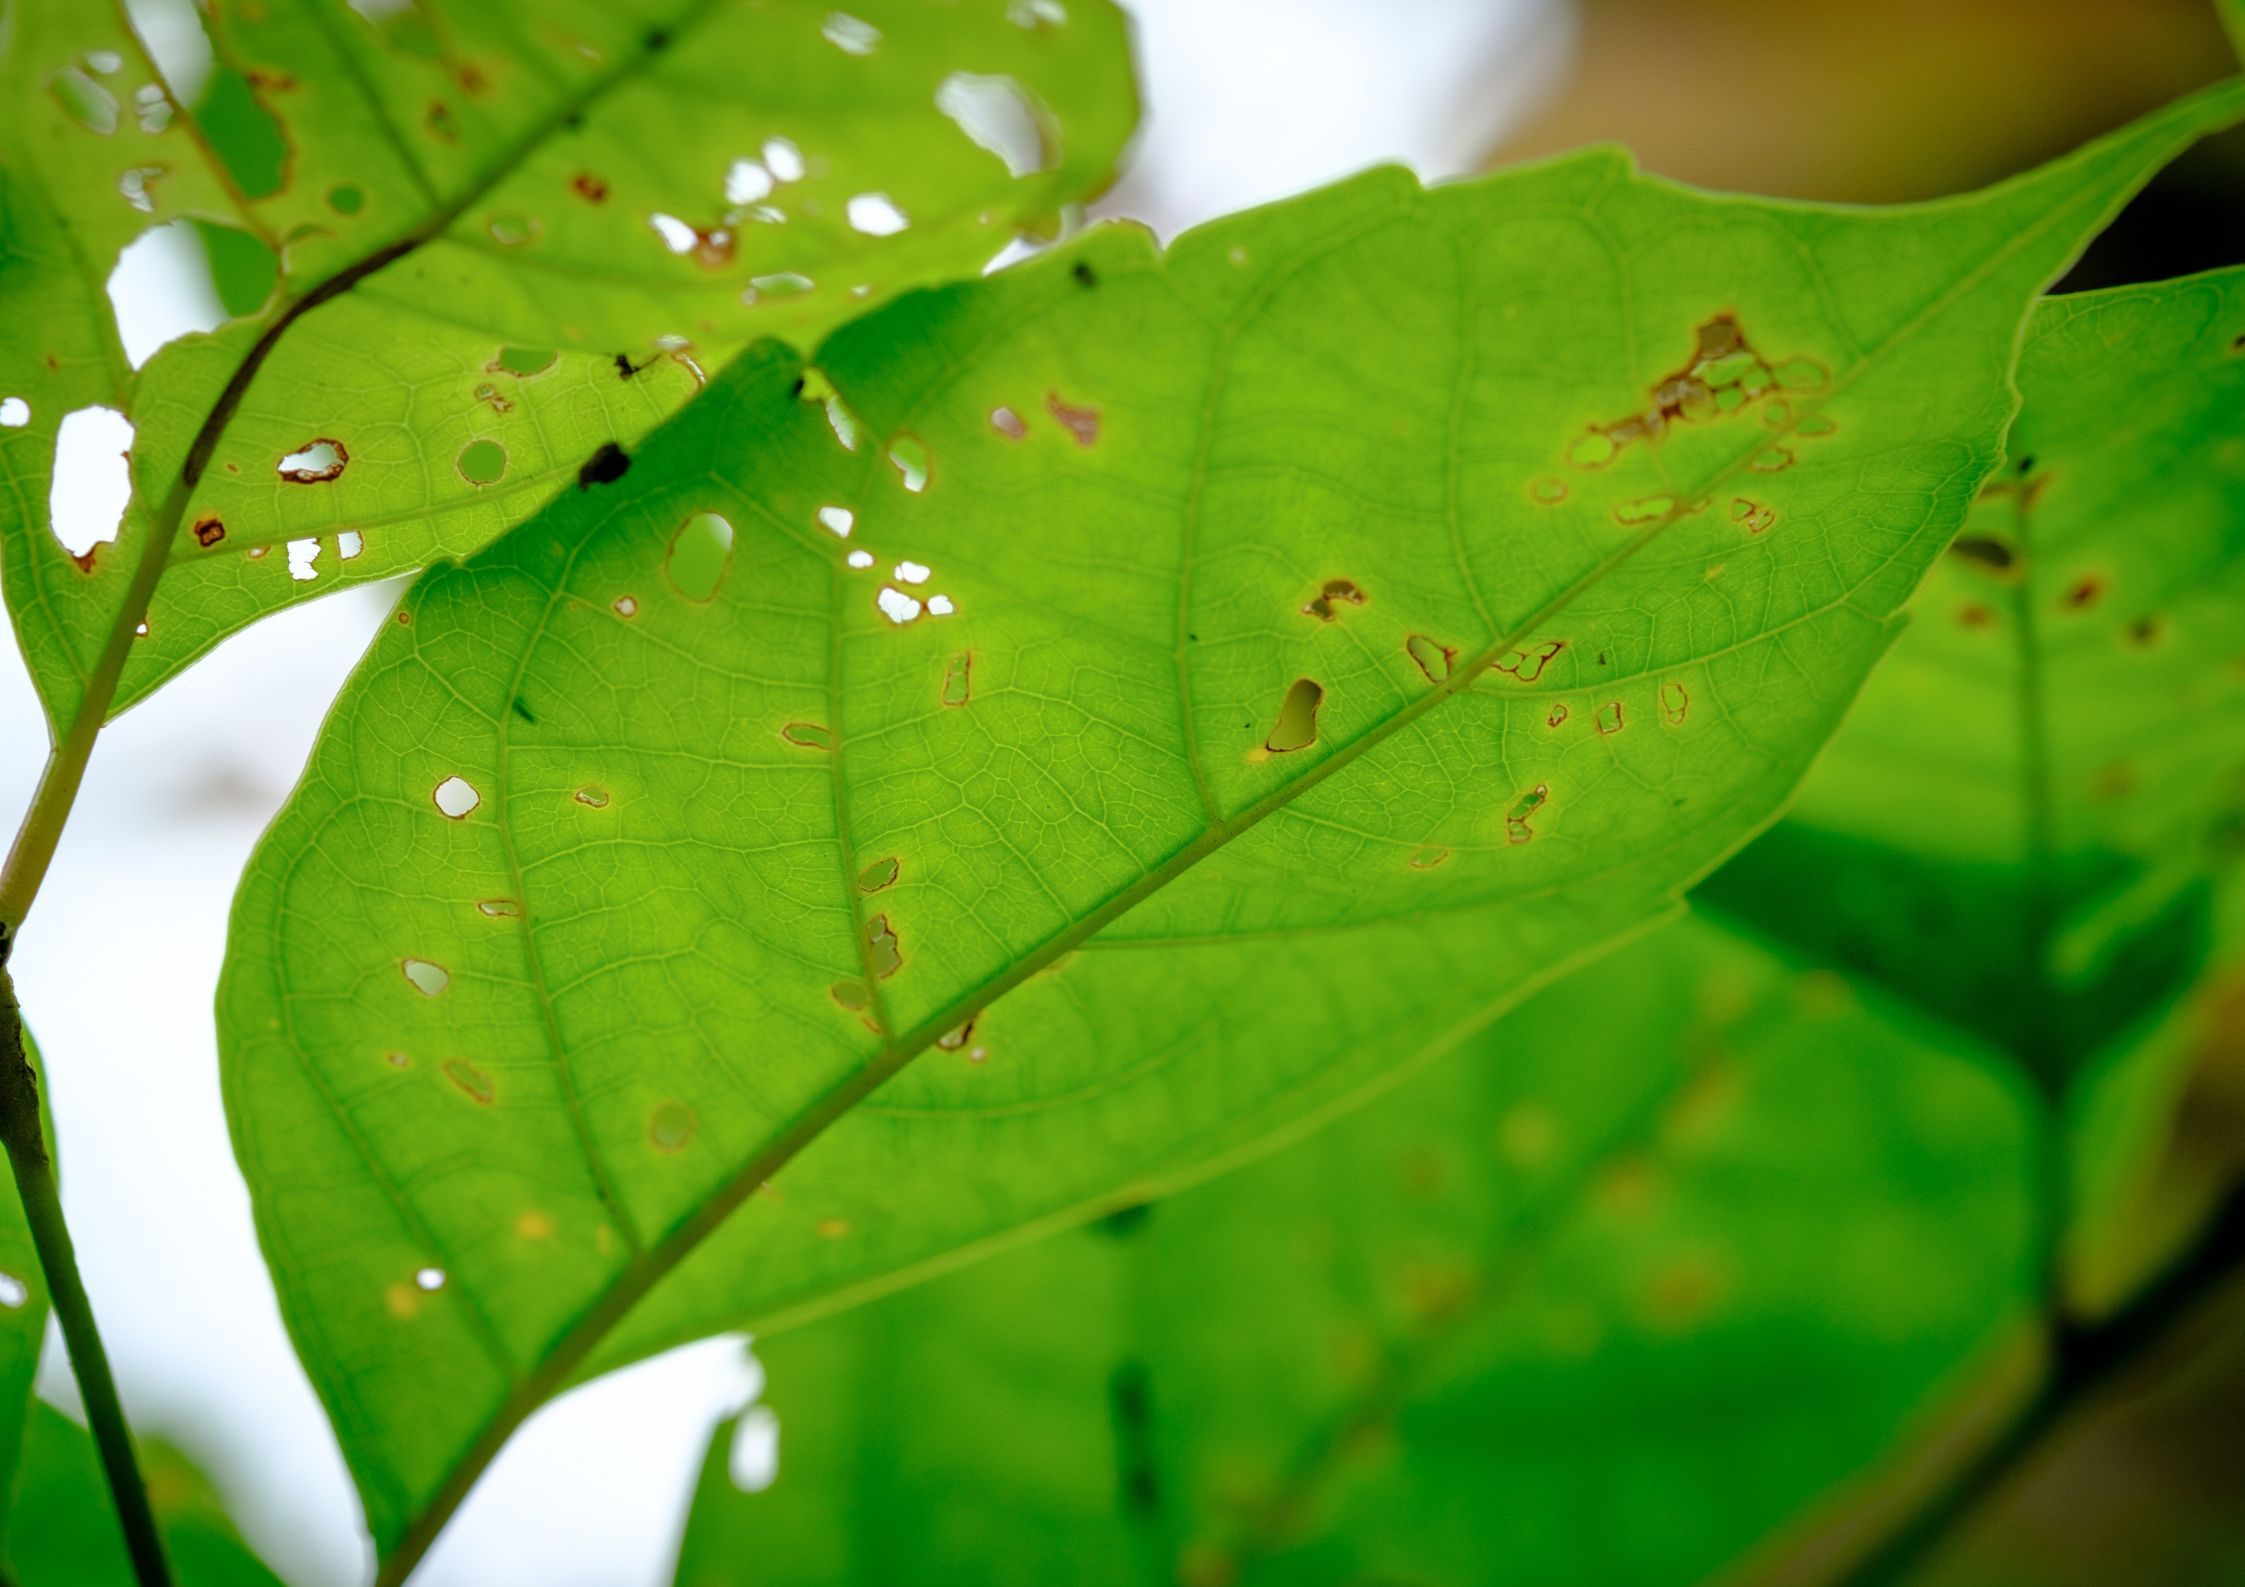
x,y
1536,1317
508,235
1507,1288
1333,654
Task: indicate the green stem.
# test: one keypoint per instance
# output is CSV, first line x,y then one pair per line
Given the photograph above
x,y
25,1138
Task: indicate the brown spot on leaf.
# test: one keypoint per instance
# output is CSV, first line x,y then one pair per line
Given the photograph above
x,y
1080,421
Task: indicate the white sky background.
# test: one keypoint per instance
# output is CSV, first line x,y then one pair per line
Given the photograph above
x,y
1247,100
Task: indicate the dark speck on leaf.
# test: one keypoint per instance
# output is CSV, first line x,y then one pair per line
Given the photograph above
x,y
1085,275
1986,550
796,390
604,467
523,711
658,39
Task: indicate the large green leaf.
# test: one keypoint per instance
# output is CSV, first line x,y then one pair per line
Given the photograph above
x,y
2032,819
1677,1246
471,203
1332,655
65,1534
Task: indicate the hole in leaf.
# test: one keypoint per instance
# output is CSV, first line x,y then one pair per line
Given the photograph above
x,y
92,481
879,875
1008,423
1675,703
746,182
958,679
592,795
910,456
839,519
14,1292
84,100
1432,658
302,555
482,462
876,215
1609,717
1296,727
315,462
428,979
700,552
456,797
998,115
1528,665
512,231
626,605
883,954
896,606
783,159
860,558
429,1279
808,735
851,35
779,284
346,198
1325,605
1516,819
522,361
15,413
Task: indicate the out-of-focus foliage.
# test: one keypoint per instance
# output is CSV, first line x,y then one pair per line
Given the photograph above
x,y
1538,1317
1200,685
506,234
2033,822
63,1534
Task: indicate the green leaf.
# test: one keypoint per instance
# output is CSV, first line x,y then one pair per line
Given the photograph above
x,y
1537,1317
471,205
1301,706
2032,820
65,1535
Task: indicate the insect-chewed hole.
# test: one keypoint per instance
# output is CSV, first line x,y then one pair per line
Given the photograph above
x,y
876,215
482,462
996,114
427,978
910,455
455,797
315,462
1296,727
699,554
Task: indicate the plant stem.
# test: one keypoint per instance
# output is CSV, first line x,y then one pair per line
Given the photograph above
x,y
25,1138
2085,1358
